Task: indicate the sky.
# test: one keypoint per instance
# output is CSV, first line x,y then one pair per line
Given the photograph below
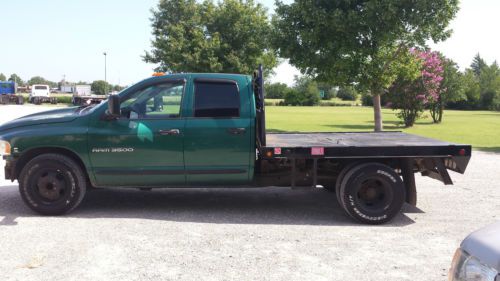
x,y
60,38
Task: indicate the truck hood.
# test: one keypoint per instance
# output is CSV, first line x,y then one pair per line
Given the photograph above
x,y
45,117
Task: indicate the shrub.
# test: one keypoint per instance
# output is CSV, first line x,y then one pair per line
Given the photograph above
x,y
309,97
347,93
64,99
276,90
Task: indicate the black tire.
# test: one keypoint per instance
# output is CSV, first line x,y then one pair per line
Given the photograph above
x,y
372,193
52,184
335,186
20,100
329,187
341,176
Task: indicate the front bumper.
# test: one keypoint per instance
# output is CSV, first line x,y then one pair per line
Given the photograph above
x,y
9,168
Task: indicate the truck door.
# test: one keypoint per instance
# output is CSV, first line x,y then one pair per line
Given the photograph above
x,y
217,138
145,146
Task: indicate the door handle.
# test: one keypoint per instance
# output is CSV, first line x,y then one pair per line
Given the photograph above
x,y
236,131
171,132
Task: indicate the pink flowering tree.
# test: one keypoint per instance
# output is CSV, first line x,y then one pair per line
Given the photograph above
x,y
412,94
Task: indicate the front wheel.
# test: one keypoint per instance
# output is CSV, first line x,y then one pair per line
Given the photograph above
x,y
372,193
52,184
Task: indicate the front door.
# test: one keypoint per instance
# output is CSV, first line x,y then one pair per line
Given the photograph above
x,y
218,136
145,146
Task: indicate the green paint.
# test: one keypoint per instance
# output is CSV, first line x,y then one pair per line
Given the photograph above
x,y
136,148
144,133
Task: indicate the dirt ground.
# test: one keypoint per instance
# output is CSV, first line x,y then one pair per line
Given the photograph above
x,y
242,234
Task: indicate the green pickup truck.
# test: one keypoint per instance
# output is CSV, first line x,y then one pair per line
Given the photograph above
x,y
202,130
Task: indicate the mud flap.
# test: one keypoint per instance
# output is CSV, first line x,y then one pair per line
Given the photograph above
x,y
409,181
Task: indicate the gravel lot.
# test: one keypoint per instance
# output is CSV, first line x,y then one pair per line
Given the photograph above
x,y
242,234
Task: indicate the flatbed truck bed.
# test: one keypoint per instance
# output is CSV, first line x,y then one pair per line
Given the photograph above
x,y
320,153
362,144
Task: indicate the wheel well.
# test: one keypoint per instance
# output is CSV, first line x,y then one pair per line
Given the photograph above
x,y
32,153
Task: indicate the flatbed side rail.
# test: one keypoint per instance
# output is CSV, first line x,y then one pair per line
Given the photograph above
x,y
459,153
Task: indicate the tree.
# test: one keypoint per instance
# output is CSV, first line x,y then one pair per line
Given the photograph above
x,y
230,36
118,88
359,42
14,77
2,77
478,64
451,89
100,87
472,90
489,83
40,80
413,89
276,90
431,82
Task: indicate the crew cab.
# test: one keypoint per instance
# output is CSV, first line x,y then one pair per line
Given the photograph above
x,y
202,130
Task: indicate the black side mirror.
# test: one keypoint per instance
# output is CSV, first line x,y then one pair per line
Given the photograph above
x,y
114,106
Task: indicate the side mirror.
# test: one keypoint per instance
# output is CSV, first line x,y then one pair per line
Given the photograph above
x,y
114,106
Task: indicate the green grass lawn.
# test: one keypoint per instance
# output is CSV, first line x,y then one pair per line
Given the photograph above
x,y
481,129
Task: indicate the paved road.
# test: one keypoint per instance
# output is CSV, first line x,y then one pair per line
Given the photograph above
x,y
242,234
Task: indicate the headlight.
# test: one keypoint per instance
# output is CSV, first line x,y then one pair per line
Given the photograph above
x,y
468,268
4,148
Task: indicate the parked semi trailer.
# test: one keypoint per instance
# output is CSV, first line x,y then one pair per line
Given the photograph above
x,y
8,93
81,100
202,130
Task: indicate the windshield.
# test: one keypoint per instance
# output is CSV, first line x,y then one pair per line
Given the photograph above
x,y
41,88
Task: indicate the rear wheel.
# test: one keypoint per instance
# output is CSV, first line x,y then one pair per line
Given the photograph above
x,y
372,193
340,178
52,184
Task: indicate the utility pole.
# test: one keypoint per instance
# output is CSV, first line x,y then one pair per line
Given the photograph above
x,y
105,74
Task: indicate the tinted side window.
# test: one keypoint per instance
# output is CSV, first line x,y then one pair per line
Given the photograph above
x,y
216,99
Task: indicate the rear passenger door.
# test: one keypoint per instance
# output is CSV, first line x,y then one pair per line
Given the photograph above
x,y
217,139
